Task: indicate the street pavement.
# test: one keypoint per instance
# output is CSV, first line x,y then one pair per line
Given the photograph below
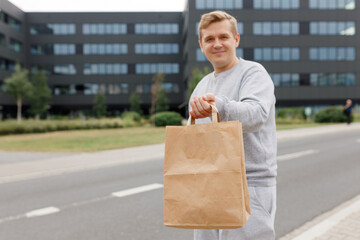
x,y
342,222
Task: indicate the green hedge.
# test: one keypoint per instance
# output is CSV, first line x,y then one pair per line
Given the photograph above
x,y
167,119
134,116
41,126
330,114
292,113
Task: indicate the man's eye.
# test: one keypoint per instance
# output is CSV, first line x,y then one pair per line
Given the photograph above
x,y
209,39
224,37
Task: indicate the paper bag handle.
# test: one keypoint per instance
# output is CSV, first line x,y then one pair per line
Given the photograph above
x,y
214,115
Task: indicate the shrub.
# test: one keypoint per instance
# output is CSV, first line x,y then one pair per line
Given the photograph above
x,y
293,113
167,119
133,116
30,126
330,114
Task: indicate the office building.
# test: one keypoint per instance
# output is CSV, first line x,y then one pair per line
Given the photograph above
x,y
311,49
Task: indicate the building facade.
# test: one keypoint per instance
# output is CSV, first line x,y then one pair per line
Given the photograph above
x,y
311,49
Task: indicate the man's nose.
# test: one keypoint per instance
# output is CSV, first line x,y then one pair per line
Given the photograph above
x,y
217,43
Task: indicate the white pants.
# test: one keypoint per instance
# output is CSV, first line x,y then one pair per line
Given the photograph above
x,y
260,225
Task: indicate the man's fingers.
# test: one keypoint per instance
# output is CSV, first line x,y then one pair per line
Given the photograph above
x,y
205,106
200,107
197,109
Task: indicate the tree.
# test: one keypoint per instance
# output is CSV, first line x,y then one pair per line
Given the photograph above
x,y
135,103
40,94
197,75
18,86
99,108
162,103
158,79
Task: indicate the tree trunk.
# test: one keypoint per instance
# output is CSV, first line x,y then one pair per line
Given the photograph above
x,y
19,103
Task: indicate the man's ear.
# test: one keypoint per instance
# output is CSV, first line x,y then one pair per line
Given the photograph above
x,y
237,39
201,47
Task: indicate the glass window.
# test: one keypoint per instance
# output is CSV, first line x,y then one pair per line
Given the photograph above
x,y
257,28
240,52
200,4
285,4
200,57
266,28
257,4
285,28
219,4
323,54
323,28
258,54
86,28
285,54
240,27
350,54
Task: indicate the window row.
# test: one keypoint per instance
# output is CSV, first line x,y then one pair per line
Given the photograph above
x,y
15,45
2,40
276,28
313,79
200,57
156,28
102,48
157,48
276,4
332,28
104,28
153,68
293,28
6,64
145,88
332,54
9,20
109,89
219,4
91,89
105,68
57,69
332,79
291,54
53,49
276,54
332,4
52,29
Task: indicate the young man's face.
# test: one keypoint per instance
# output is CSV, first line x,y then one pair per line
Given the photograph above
x,y
219,44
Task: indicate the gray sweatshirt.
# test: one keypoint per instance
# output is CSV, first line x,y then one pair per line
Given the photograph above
x,y
246,93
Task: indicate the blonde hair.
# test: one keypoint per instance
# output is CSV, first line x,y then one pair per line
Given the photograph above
x,y
216,16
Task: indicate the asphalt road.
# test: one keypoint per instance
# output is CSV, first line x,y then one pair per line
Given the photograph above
x,y
315,175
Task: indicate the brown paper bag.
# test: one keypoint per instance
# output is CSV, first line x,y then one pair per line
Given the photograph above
x,y
205,183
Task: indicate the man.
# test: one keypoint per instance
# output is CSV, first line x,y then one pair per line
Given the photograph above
x,y
241,90
347,110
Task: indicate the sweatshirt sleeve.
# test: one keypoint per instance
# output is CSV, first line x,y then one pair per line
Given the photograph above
x,y
254,104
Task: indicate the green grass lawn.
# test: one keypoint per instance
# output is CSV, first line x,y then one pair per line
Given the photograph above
x,y
96,140
83,140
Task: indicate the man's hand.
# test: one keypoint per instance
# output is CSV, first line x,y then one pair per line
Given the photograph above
x,y
201,106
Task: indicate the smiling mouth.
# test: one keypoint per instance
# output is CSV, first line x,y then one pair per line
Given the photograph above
x,y
218,52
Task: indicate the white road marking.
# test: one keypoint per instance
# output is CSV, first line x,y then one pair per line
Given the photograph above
x,y
42,212
330,222
296,155
52,210
136,190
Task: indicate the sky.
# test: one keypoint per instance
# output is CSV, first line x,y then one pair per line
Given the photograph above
x,y
100,5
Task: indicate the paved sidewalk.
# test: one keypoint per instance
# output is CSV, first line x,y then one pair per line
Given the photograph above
x,y
29,165
342,222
